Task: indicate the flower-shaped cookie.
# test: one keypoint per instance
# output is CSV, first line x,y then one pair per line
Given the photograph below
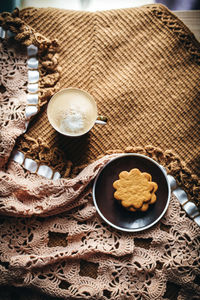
x,y
135,190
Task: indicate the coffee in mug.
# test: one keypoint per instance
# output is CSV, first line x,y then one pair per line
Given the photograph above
x,y
72,112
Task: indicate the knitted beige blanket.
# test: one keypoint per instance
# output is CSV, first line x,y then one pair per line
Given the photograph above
x,y
142,67
51,238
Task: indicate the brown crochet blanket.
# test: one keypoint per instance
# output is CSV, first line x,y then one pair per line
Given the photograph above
x,y
141,65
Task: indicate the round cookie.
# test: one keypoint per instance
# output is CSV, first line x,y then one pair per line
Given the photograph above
x,y
135,190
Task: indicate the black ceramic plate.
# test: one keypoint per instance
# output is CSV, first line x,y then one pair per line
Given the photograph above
x,y
112,212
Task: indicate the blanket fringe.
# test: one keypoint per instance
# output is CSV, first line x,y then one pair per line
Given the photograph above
x,y
47,53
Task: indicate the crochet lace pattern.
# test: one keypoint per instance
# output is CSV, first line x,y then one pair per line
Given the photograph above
x,y
41,149
51,237
13,68
124,265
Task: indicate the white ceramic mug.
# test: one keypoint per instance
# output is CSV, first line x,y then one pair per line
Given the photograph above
x,y
73,112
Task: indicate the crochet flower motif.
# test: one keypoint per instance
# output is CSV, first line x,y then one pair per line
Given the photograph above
x,y
135,190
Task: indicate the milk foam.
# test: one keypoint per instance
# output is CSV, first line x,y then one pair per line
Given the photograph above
x,y
72,112
73,119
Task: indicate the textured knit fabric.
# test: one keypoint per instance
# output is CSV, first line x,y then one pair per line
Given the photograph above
x,y
142,66
72,253
13,86
53,240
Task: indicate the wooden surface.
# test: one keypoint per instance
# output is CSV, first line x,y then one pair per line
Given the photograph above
x,y
191,18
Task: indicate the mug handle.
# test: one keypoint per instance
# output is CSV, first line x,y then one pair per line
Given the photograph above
x,y
101,120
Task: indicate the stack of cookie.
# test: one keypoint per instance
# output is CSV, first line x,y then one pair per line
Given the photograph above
x,y
135,190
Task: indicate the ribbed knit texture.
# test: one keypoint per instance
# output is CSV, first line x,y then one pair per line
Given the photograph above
x,y
142,66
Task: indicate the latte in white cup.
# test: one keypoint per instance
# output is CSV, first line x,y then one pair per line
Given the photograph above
x,y
72,112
